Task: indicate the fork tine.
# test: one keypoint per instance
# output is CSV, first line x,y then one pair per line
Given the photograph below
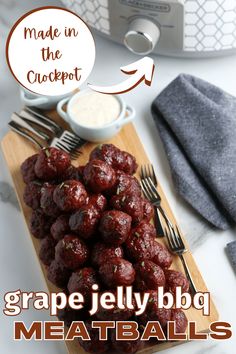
x,y
144,189
142,172
180,237
147,189
169,240
152,188
154,177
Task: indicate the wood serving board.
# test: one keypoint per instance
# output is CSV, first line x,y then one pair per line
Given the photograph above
x,y
16,149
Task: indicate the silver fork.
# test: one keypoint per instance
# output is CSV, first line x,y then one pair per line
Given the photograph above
x,y
65,136
23,128
177,246
150,192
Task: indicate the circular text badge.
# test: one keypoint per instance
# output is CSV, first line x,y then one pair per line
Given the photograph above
x,y
50,51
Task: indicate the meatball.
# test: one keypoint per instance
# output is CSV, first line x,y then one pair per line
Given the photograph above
x,y
69,315
84,221
60,227
144,228
71,172
115,227
174,279
94,345
153,313
103,253
117,271
126,184
138,247
130,204
58,274
162,256
47,250
148,276
119,160
39,224
71,252
115,314
27,169
98,201
123,346
32,194
99,176
148,210
51,163
181,321
70,195
82,281
47,203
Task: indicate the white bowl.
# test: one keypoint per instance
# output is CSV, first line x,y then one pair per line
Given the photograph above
x,y
95,134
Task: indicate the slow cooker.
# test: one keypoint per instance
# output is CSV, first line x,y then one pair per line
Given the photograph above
x,y
176,27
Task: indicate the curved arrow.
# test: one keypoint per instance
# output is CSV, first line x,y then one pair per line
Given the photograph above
x,y
140,70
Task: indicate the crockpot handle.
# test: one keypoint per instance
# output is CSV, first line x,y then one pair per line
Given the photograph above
x,y
32,101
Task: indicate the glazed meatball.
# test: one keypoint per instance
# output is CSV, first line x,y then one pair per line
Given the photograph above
x,y
115,314
98,201
51,163
60,227
181,322
174,279
126,184
130,204
47,203
102,253
148,276
153,313
27,169
58,274
115,227
47,250
162,256
40,224
84,221
117,271
82,281
138,247
71,252
70,195
123,346
119,160
148,210
32,194
94,345
71,172
99,176
144,228
69,315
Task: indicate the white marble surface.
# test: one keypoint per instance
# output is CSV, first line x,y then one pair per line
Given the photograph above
x,y
18,266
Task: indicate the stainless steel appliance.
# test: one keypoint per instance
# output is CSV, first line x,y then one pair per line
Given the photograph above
x,y
171,27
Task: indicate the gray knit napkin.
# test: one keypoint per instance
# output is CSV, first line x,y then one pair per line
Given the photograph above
x,y
231,251
197,124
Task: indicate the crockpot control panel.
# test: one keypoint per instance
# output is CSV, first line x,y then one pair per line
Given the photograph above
x,y
143,25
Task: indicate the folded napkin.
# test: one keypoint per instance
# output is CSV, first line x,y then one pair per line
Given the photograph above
x,y
197,124
231,251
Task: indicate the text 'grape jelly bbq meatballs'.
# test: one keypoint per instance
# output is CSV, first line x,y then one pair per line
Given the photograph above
x,y
70,195
99,176
51,163
115,227
119,160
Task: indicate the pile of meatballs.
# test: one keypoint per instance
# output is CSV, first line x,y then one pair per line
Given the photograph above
x,y
94,226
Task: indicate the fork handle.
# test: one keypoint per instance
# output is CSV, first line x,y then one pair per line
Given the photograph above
x,y
17,128
188,274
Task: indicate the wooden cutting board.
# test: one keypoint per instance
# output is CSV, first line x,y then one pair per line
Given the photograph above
x,y
16,149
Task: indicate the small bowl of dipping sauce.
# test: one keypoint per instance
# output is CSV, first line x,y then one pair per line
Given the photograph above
x,y
94,116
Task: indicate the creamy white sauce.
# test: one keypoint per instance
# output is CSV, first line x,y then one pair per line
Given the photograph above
x,y
95,109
